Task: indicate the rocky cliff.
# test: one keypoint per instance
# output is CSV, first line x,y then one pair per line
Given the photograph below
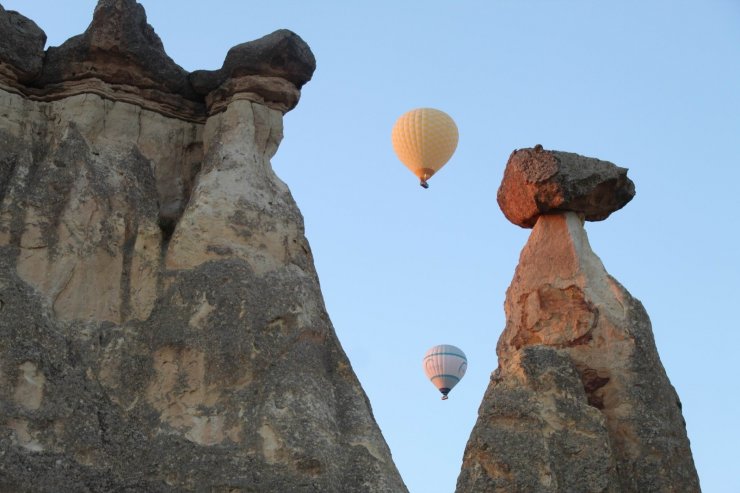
x,y
580,401
161,323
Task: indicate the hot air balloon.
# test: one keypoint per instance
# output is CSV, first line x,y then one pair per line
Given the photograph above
x,y
445,365
424,140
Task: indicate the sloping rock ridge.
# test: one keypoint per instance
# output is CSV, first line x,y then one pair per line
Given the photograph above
x,y
162,328
580,401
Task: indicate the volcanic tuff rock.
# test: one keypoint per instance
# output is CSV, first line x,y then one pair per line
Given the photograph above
x,y
537,181
580,401
21,46
161,323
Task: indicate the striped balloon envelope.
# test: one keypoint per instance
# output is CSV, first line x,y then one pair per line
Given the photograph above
x,y
445,366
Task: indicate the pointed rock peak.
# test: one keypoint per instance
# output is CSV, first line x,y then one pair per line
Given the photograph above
x,y
21,46
538,181
118,47
280,54
121,24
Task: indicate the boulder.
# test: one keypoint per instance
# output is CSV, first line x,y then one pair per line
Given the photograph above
x,y
274,67
280,54
537,181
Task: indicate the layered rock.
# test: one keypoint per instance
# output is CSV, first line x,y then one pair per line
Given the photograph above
x,y
120,57
161,323
580,400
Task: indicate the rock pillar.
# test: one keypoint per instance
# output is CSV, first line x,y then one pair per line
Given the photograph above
x,y
580,400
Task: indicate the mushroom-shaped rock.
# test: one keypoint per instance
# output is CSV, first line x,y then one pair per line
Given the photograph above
x,y
280,54
273,68
538,181
21,46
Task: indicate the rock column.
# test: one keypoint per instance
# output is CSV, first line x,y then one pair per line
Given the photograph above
x,y
580,400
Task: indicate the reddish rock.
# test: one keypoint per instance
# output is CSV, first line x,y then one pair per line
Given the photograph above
x,y
537,181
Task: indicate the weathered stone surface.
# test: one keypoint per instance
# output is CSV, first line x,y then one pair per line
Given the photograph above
x,y
120,57
84,200
273,92
118,47
162,327
537,181
280,54
580,400
21,46
541,434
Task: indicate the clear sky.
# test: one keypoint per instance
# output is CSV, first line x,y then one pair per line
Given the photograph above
x,y
653,86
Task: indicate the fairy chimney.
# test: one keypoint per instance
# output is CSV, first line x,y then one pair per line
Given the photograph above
x,y
580,400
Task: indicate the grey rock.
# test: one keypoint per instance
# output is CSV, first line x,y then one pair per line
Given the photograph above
x,y
280,54
537,181
21,45
162,328
580,401
118,47
535,443
120,56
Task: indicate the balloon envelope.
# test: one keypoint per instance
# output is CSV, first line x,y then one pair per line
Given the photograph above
x,y
424,140
445,365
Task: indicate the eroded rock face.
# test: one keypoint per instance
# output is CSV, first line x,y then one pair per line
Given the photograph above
x,y
280,54
580,400
121,58
118,47
21,46
537,181
162,328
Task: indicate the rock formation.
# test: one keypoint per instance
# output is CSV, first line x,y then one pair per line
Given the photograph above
x,y
537,181
162,328
580,401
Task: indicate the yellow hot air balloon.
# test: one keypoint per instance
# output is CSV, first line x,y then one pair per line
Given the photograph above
x,y
424,140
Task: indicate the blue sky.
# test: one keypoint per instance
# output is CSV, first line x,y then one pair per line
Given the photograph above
x,y
652,86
